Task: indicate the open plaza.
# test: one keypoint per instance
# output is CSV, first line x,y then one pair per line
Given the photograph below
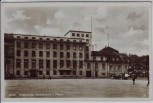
x,y
76,88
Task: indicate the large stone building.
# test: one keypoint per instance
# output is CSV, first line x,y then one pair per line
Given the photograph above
x,y
70,56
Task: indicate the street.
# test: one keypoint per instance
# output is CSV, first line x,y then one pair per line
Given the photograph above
x,y
76,88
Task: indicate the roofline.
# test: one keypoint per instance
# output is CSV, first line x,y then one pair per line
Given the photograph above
x,y
77,31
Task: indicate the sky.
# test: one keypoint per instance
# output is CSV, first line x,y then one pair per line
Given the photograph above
x,y
127,25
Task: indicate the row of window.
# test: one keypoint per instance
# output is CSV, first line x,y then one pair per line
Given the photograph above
x,y
80,35
55,54
48,64
18,72
96,66
48,46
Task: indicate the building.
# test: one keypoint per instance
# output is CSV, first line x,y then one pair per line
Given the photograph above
x,y
71,56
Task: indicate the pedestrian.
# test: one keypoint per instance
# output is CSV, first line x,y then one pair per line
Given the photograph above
x,y
134,76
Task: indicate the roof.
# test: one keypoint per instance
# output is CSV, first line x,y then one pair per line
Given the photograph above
x,y
77,31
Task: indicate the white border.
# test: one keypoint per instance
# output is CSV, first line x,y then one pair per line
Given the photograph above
x,y
76,99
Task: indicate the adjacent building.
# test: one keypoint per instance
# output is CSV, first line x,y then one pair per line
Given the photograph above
x,y
71,56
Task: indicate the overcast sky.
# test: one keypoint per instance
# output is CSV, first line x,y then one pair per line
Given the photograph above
x,y
128,26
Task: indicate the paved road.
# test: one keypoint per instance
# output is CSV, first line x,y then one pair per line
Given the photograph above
x,y
76,88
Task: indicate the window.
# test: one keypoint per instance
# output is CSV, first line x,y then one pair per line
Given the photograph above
x,y
40,64
80,55
110,67
40,45
87,56
61,55
18,72
68,63
74,72
26,45
74,40
54,72
25,37
78,35
103,66
80,64
68,40
54,39
40,53
61,46
96,65
74,64
47,39
73,34
61,72
18,53
74,55
87,35
68,47
61,39
47,63
61,63
47,54
54,54
80,47
33,64
33,45
40,72
47,73
68,54
18,44
25,72
80,72
33,38
87,40
88,66
33,54
26,53
67,72
40,38
47,46
54,63
94,58
54,46
18,63
87,48
82,35
25,63
18,36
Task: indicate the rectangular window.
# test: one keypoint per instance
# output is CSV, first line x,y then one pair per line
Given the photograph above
x,y
18,72
68,63
47,73
74,64
47,46
61,46
47,54
68,54
47,63
61,55
54,72
26,45
68,47
40,64
26,53
18,63
78,35
80,55
82,35
33,53
18,44
74,47
61,72
74,72
80,64
54,54
73,34
74,55
61,63
26,73
103,66
25,63
96,65
54,64
40,72
88,65
40,45
87,48
81,47
87,56
18,53
40,53
33,38
33,64
54,46
33,45
87,35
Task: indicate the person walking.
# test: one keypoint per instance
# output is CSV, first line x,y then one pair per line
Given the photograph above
x,y
134,76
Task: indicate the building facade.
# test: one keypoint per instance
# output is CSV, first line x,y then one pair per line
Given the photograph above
x,y
71,56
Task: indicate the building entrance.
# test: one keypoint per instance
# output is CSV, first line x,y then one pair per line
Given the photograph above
x,y
88,73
